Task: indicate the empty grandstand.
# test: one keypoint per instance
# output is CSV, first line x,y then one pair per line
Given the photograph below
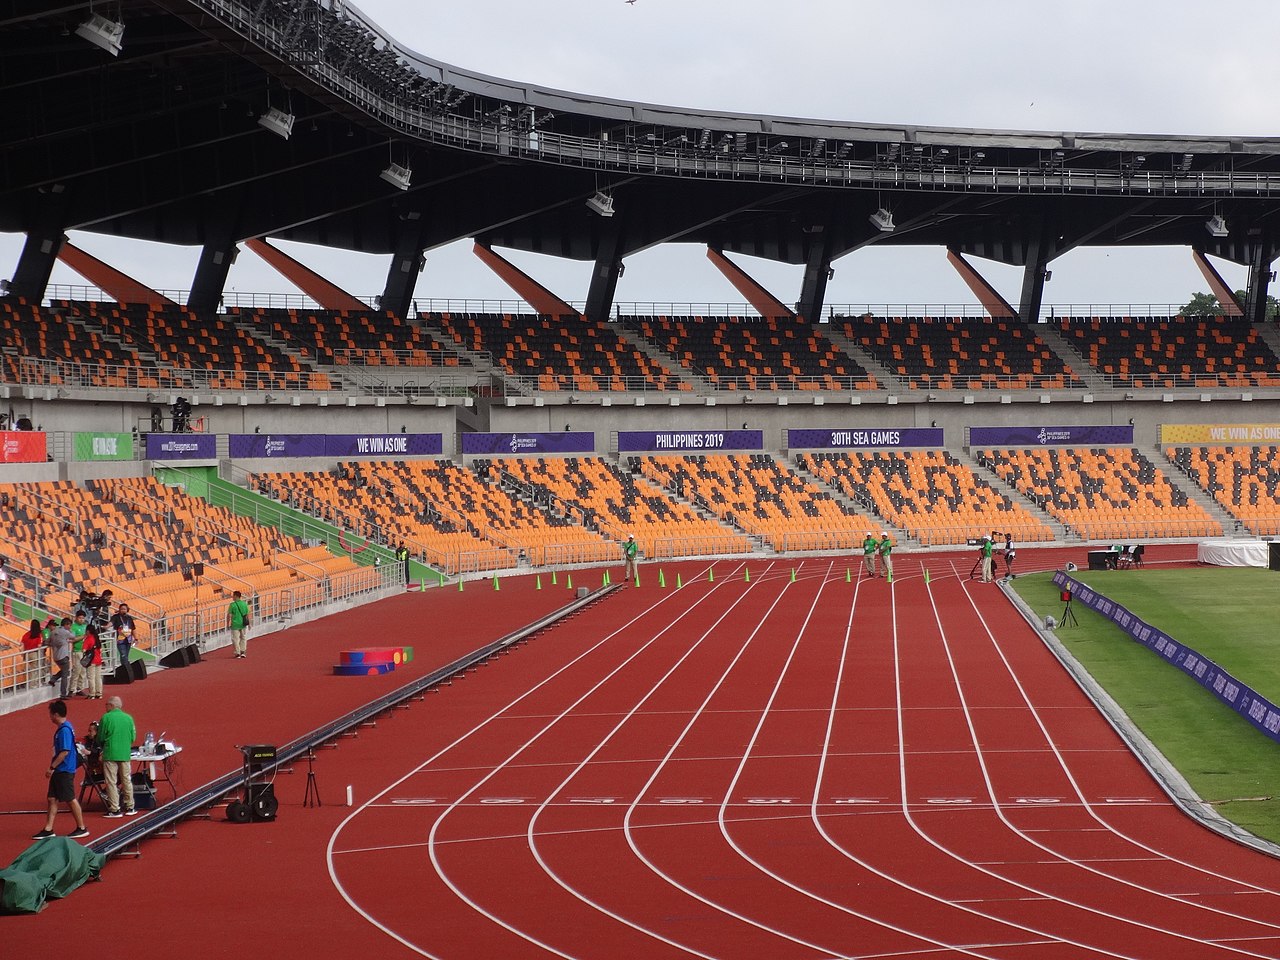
x,y
1245,480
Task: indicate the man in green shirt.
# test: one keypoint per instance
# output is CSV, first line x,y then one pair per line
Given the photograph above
x,y
238,620
988,564
886,548
117,734
78,628
869,548
630,550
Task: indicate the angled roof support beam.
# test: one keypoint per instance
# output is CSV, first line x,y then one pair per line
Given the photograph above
x,y
1040,251
543,301
1230,305
327,294
216,256
995,305
1263,254
817,273
765,303
40,251
608,268
107,278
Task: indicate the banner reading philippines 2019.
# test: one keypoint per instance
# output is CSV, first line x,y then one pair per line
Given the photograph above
x,y
500,444
857,439
640,441
1076,435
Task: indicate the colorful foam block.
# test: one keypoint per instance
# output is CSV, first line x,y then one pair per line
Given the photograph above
x,y
395,655
361,669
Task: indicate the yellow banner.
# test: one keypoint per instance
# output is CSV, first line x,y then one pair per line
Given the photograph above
x,y
1219,433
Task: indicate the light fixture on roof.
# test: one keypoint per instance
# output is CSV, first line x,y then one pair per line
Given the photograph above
x,y
601,203
397,175
279,122
882,220
1217,226
103,33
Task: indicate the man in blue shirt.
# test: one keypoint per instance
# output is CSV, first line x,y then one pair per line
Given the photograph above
x,y
62,774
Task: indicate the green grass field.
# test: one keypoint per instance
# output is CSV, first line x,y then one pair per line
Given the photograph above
x,y
1228,615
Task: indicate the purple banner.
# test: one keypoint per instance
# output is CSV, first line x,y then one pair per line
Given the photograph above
x,y
181,446
1075,436
1257,709
855,439
508,444
391,445
676,441
276,445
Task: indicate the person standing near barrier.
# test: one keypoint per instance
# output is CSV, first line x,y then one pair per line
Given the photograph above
x,y
1009,554
78,628
59,644
62,775
122,623
886,551
92,658
630,551
238,623
870,547
402,556
117,733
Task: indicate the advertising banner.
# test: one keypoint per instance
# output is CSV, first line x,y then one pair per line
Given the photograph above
x,y
679,441
102,446
854,439
22,446
1074,436
520,444
390,445
1219,433
181,446
1257,709
242,445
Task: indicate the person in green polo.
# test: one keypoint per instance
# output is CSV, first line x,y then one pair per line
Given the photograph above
x,y
238,620
78,629
886,549
869,548
630,553
988,561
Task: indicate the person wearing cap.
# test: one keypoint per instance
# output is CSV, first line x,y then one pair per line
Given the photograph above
x,y
869,548
630,550
886,548
988,563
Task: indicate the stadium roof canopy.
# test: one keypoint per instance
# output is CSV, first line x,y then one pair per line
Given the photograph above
x,y
163,141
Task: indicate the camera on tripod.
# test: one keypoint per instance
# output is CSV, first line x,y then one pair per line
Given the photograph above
x,y
180,410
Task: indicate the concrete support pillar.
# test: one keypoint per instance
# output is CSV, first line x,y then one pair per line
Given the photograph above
x,y
817,273
40,252
216,257
406,265
1034,273
1261,257
608,268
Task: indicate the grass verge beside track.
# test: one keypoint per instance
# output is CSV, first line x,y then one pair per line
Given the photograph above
x,y
1228,615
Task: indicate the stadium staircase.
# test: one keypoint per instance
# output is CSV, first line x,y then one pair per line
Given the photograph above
x,y
1269,335
699,506
1052,338
841,342
1060,532
633,337
1180,479
900,538
341,382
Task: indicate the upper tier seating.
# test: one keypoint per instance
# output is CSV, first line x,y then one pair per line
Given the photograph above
x,y
340,337
177,337
569,354
763,497
754,354
55,335
1104,494
1200,352
928,493
936,353
1245,480
619,504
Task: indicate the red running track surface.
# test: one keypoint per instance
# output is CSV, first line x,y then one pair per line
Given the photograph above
x,y
773,768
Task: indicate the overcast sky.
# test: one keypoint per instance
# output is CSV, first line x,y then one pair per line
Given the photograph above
x,y
1086,66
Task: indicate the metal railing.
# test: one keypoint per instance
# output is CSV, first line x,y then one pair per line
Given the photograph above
x,y
70,374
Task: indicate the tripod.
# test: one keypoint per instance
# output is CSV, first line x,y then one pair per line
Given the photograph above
x,y
1068,617
977,565
311,798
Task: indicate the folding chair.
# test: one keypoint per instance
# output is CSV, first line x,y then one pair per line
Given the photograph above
x,y
94,783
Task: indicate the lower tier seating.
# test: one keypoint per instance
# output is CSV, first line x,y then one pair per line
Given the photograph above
x,y
1244,480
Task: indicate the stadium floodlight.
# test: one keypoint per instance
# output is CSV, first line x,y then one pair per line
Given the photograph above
x,y
277,121
1217,226
103,33
397,175
882,220
601,203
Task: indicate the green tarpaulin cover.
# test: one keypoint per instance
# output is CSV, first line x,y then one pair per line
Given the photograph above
x,y
47,868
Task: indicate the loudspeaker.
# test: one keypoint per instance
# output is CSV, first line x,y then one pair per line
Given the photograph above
x,y
122,675
197,569
139,669
182,657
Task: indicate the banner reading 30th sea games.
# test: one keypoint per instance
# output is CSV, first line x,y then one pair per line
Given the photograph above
x,y
859,437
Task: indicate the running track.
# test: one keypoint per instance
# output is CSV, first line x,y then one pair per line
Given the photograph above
x,y
784,768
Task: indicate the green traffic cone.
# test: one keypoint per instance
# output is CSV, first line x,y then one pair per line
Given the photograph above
x,y
459,584
848,578
711,575
568,582
746,574
496,586
926,576
608,579
678,583
662,578
637,578
553,578
442,578
538,583
793,574
422,584
888,577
